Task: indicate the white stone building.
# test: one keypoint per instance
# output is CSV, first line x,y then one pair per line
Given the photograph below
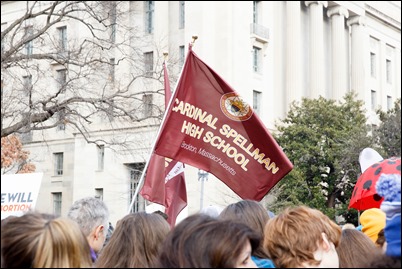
x,y
271,52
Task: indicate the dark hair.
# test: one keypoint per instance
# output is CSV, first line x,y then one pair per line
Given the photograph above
x,y
109,233
383,261
201,241
381,238
135,242
251,213
354,248
164,215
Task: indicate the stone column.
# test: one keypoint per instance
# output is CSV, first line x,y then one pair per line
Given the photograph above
x,y
294,88
359,43
339,55
317,62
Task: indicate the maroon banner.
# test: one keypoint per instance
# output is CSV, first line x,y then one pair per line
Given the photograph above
x,y
164,181
209,126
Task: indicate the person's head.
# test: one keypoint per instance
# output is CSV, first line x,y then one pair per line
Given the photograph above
x,y
202,241
383,261
252,214
302,237
212,210
92,215
389,187
355,248
163,214
40,241
381,239
135,241
372,221
348,226
108,234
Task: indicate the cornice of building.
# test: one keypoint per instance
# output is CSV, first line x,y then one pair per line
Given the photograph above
x,y
374,11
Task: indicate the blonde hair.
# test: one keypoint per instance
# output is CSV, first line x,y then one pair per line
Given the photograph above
x,y
43,241
292,237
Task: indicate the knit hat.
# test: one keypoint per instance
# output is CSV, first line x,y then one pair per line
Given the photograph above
x,y
389,187
372,221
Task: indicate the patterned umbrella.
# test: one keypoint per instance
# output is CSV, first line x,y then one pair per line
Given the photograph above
x,y
364,195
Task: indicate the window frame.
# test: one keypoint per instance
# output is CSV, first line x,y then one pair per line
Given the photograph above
x,y
373,99
182,18
257,101
29,44
62,79
373,65
147,100
257,54
388,70
149,16
101,157
62,31
58,163
149,63
57,202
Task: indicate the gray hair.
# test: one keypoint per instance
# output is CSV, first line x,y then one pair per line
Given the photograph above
x,y
89,212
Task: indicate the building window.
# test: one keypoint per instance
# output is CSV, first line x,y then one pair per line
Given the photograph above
x,y
26,136
149,63
149,16
135,175
57,199
256,11
389,102
256,101
147,100
181,55
62,79
101,157
373,99
61,119
372,64
110,110
113,20
181,14
112,66
256,59
62,38
58,163
99,193
389,71
27,85
29,44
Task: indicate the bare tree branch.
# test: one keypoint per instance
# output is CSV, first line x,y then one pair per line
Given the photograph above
x,y
78,64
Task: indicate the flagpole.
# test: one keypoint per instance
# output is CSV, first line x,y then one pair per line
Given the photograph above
x,y
165,54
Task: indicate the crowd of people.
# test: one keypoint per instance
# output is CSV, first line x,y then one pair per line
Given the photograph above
x,y
241,235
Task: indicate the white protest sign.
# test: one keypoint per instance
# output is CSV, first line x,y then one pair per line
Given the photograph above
x,y
19,193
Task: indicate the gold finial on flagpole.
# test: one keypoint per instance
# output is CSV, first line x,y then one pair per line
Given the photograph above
x,y
195,37
165,55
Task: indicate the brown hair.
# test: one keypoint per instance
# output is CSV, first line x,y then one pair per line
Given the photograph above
x,y
381,238
43,241
135,242
201,241
354,249
252,214
292,237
